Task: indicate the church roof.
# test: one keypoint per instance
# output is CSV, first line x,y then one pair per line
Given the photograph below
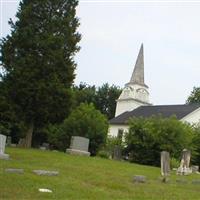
x,y
179,111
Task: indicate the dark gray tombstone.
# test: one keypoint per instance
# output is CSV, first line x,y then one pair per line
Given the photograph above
x,y
79,146
165,163
2,147
181,181
184,168
196,182
45,146
117,153
195,168
8,141
139,179
13,170
21,142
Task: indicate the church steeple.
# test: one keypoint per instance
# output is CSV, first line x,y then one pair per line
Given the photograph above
x,y
135,92
138,72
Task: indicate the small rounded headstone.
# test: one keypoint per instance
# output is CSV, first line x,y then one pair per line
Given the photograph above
x,y
139,179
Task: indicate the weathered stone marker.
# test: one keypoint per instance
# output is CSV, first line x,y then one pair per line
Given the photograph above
x,y
139,179
165,163
195,168
21,142
45,146
13,170
184,168
117,153
79,146
2,147
9,141
46,173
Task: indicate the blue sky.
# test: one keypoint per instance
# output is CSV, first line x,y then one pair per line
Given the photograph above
x,y
112,32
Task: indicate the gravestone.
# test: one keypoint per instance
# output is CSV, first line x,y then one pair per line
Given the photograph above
x,y
139,179
2,147
181,181
13,170
45,146
46,173
184,168
21,142
196,182
165,163
8,141
117,153
195,168
79,146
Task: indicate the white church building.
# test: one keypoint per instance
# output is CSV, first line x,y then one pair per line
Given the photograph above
x,y
134,102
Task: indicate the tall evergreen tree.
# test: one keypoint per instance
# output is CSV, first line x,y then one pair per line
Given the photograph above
x,y
38,61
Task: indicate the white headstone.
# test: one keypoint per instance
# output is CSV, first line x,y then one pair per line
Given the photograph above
x,y
184,168
79,145
2,143
2,147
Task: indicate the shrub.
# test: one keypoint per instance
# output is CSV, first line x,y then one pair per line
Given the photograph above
x,y
147,137
84,121
103,154
174,163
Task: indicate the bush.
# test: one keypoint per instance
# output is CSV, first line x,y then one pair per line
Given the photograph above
x,y
84,121
147,137
108,147
103,154
196,141
174,163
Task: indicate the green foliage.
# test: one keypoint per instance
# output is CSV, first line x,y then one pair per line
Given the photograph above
x,y
84,121
194,96
147,137
103,154
174,163
110,144
57,136
196,142
83,93
103,98
5,113
37,60
106,99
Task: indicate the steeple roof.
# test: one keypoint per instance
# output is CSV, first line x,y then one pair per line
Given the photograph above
x,y
138,72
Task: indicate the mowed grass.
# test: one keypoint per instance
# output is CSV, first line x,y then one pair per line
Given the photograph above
x,y
87,178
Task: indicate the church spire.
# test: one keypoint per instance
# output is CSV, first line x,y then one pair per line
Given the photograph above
x,y
138,72
135,93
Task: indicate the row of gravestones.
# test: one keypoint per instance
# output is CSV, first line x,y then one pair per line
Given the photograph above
x,y
184,168
79,145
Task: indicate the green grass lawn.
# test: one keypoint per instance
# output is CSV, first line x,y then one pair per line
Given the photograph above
x,y
87,178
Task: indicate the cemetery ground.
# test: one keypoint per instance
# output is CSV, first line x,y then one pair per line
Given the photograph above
x,y
88,178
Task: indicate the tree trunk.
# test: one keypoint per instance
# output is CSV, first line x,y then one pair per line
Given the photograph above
x,y
28,138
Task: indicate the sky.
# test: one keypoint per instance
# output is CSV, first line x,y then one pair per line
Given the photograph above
x,y
112,32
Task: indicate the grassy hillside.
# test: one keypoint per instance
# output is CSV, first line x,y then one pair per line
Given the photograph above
x,y
87,178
